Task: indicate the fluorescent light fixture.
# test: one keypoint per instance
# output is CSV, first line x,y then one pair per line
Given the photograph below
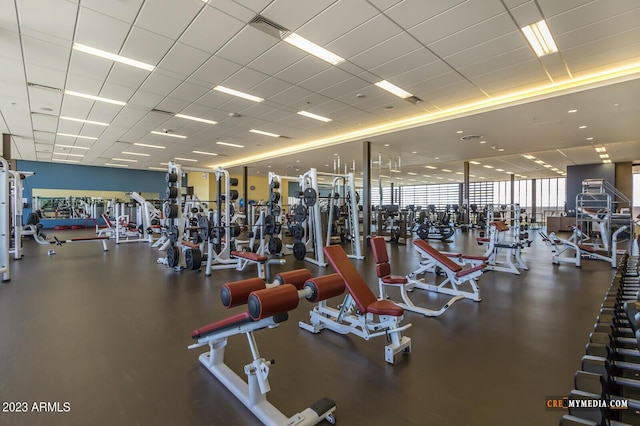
x,y
501,149
606,161
140,154
72,146
394,171
472,175
605,155
590,138
157,168
547,166
164,164
112,57
146,145
230,144
459,173
173,135
446,170
483,141
571,111
426,175
60,160
69,154
94,98
312,48
439,177
260,132
582,127
201,120
499,170
539,162
540,38
238,94
392,88
529,157
412,174
509,173
125,159
314,116
99,123
475,162
431,167
185,159
204,153
452,180
486,166
77,136
601,149
116,165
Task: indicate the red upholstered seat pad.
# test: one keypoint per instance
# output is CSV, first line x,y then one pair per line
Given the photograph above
x,y
394,279
587,248
471,257
435,254
379,249
250,256
228,322
483,240
385,307
470,270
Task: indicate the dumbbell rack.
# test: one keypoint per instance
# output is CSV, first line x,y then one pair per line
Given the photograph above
x,y
175,257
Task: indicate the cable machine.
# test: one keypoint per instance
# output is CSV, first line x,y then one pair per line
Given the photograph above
x,y
5,232
344,186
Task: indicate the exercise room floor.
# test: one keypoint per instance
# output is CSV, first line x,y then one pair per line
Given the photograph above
x,y
107,333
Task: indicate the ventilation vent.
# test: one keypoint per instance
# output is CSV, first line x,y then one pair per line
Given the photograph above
x,y
42,86
269,27
414,100
471,137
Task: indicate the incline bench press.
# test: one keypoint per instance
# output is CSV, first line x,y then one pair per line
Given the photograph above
x,y
267,308
383,270
466,270
358,310
497,245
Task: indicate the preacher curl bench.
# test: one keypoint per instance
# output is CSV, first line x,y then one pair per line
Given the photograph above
x,y
267,308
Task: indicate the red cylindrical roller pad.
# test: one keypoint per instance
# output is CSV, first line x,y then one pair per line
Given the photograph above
x,y
296,277
325,287
271,301
237,292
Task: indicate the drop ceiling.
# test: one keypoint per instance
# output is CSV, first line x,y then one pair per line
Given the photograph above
x,y
448,53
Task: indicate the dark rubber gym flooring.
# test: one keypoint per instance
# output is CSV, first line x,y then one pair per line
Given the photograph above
x,y
107,332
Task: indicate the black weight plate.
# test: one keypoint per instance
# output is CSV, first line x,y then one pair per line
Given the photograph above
x,y
234,230
171,211
233,181
173,256
300,213
269,224
297,231
233,194
172,192
446,233
171,177
275,184
193,259
276,210
310,197
423,231
275,197
299,250
275,245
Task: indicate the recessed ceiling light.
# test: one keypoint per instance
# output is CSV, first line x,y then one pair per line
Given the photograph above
x,y
312,48
116,165
475,162
172,135
486,166
392,88
314,116
446,170
201,120
112,57
71,146
539,162
260,132
426,175
164,164
500,149
186,159
606,161
540,39
412,174
601,149
77,136
459,132
84,121
431,167
129,160
146,145
386,144
571,111
529,156
94,98
499,170
509,173
414,152
459,173
230,144
140,154
237,93
604,155
204,153
482,177
483,141
589,138
69,154
582,127
439,177
547,166
61,160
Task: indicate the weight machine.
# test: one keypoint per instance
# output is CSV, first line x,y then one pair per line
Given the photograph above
x,y
4,220
345,184
16,208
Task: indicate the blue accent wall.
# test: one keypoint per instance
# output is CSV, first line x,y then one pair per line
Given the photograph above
x,y
71,176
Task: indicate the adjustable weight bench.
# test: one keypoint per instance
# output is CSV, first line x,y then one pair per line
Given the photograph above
x,y
383,270
497,245
554,241
267,308
357,313
262,262
456,274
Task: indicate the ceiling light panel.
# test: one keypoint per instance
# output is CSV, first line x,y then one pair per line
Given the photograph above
x,y
204,153
94,98
112,57
233,145
97,123
173,135
314,116
392,88
540,38
201,120
260,132
233,92
312,48
146,145
77,136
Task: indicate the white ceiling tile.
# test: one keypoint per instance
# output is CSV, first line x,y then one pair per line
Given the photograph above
x,y
256,110
123,10
480,33
517,76
509,47
515,3
47,123
211,30
10,45
215,71
125,75
291,14
100,31
42,75
274,115
246,45
68,127
405,63
160,84
8,15
146,46
183,59
364,37
429,71
85,65
526,14
172,105
53,17
189,92
303,69
325,79
39,99
12,71
456,19
269,88
384,4
350,85
44,147
78,83
411,12
213,99
448,90
244,80
610,52
338,19
244,11
129,115
44,137
577,33
388,50
115,91
277,58
292,94
75,107
167,17
40,52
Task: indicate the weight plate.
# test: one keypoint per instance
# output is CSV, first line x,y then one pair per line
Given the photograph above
x,y
233,181
423,231
171,177
310,197
275,184
172,192
275,245
234,230
275,197
299,250
269,224
297,231
171,211
233,194
300,213
276,210
173,256
193,259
